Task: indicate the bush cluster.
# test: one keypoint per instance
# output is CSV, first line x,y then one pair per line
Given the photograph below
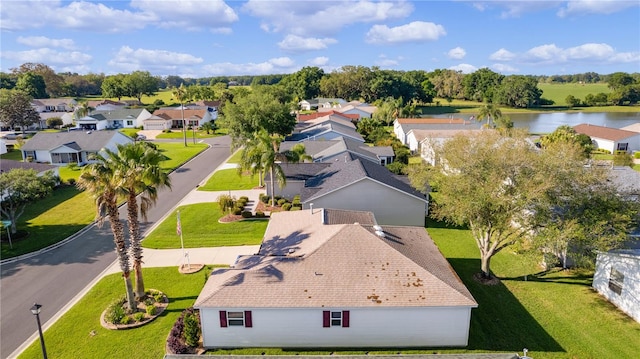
x,y
182,329
115,312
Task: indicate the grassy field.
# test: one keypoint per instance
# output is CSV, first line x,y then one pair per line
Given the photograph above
x,y
200,228
78,334
559,92
229,180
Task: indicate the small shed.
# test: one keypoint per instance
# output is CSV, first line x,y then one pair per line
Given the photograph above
x,y
617,278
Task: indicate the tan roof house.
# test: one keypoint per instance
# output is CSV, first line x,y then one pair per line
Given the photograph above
x,y
328,280
610,139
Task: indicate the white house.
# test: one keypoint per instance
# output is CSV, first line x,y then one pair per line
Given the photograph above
x,y
617,278
351,183
402,126
160,122
610,139
324,279
61,148
54,104
193,115
321,102
108,119
362,110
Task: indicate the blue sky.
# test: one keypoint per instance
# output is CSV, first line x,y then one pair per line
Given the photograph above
x,y
212,38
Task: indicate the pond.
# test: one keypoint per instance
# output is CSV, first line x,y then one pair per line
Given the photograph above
x,y
540,123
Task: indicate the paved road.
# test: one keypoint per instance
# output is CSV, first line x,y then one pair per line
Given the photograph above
x,y
54,278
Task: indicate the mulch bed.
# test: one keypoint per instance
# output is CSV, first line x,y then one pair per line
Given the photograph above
x,y
493,280
160,307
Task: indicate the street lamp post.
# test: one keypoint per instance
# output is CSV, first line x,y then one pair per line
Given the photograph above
x,y
36,311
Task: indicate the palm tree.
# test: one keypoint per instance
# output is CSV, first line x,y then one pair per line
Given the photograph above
x,y
182,95
83,110
101,181
489,111
140,174
251,159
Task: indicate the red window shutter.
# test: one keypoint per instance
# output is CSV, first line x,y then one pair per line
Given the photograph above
x,y
247,319
345,319
326,319
223,319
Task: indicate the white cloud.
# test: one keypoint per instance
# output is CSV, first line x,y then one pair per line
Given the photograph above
x,y
503,68
502,55
464,68
272,66
457,53
594,51
189,14
297,43
417,31
48,56
42,41
580,7
325,18
544,53
319,61
128,59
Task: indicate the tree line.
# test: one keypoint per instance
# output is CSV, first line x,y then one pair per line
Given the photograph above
x,y
368,84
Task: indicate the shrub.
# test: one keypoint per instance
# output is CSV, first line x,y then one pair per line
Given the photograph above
x,y
396,167
264,198
636,155
226,202
281,201
236,211
126,319
71,181
247,214
286,206
191,332
72,166
259,214
295,208
241,202
115,312
151,309
139,316
244,198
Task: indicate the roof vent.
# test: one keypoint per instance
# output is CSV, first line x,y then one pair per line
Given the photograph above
x,y
380,234
291,250
377,228
88,132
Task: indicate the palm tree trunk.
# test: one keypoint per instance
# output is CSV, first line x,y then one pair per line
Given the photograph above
x,y
121,252
273,190
136,247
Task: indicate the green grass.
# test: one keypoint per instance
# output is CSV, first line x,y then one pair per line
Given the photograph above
x,y
559,92
53,219
78,333
131,132
200,228
178,134
235,158
15,155
229,180
177,153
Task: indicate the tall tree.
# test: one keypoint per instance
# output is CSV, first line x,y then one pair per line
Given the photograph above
x,y
182,95
32,84
20,187
53,83
518,91
140,83
16,109
101,180
492,183
114,86
138,168
490,112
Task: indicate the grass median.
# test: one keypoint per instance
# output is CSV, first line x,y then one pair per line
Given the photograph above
x,y
229,180
200,228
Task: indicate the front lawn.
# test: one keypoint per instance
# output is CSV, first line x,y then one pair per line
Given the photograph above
x,y
229,180
178,153
78,333
51,220
178,134
200,228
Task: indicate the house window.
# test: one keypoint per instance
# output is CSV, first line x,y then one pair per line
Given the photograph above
x,y
616,281
129,123
335,319
237,318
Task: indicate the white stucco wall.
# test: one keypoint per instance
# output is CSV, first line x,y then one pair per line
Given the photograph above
x,y
603,144
289,191
390,206
629,298
369,327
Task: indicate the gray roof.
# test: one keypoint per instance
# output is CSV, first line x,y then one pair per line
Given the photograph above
x,y
625,179
92,141
119,114
342,173
8,165
347,265
330,148
324,127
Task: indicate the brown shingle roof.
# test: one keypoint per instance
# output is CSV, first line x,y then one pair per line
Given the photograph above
x,y
606,133
434,121
177,114
349,267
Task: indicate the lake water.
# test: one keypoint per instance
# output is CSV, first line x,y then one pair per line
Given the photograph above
x,y
548,122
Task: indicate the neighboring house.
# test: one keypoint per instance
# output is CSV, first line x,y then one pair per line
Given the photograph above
x,y
327,129
54,104
3,146
327,151
633,127
64,116
326,278
61,148
109,119
355,184
424,141
161,122
321,102
333,118
402,126
211,106
193,116
610,139
107,105
362,110
617,278
312,116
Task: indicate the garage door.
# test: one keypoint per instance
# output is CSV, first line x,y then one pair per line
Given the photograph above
x,y
153,126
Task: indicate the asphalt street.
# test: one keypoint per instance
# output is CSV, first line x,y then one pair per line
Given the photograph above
x,y
55,278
